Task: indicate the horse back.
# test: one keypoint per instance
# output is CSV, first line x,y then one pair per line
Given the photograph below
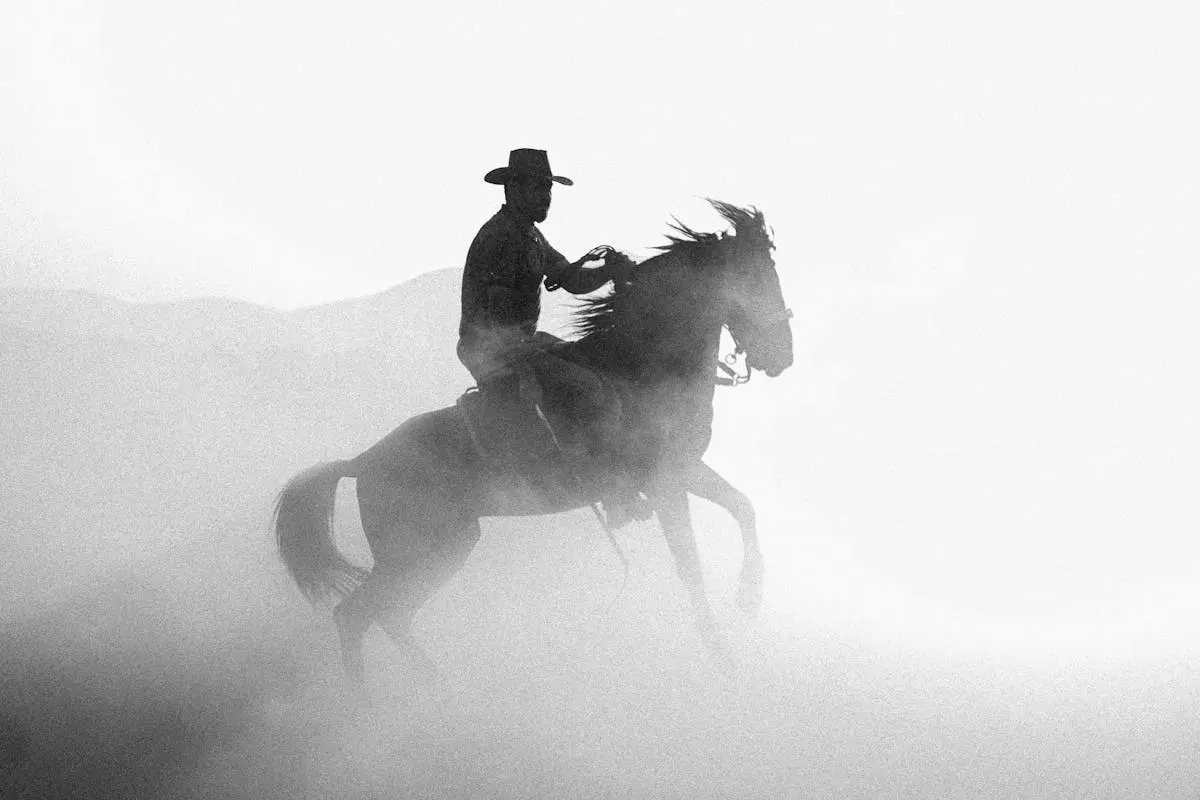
x,y
434,440
435,455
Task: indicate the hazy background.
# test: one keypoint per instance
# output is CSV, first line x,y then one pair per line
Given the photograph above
x,y
976,484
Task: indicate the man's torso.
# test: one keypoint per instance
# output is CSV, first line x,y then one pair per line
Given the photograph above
x,y
513,255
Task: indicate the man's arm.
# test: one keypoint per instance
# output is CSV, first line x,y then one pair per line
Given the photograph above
x,y
583,280
574,277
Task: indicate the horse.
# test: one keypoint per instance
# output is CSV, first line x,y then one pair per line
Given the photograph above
x,y
424,487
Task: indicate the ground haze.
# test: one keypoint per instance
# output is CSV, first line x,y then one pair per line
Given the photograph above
x,y
153,646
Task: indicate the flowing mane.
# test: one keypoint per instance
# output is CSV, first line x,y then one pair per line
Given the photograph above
x,y
595,317
599,316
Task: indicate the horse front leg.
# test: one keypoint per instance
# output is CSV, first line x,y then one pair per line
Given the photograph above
x,y
676,520
704,482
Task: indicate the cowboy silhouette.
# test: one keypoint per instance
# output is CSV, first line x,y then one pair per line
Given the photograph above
x,y
514,365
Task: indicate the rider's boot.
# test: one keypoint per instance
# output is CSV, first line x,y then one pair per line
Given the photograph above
x,y
620,497
620,493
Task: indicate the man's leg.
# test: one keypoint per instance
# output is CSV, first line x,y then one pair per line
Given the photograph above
x,y
592,435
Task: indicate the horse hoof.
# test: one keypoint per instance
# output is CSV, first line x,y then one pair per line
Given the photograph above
x,y
750,588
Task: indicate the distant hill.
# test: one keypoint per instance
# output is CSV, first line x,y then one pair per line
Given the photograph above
x,y
423,307
124,426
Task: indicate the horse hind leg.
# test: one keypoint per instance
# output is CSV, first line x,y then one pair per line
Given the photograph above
x,y
353,617
413,561
418,582
389,599
398,627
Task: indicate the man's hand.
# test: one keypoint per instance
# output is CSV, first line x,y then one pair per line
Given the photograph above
x,y
577,278
616,264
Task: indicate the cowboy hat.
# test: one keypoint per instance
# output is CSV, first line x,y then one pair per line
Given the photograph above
x,y
526,163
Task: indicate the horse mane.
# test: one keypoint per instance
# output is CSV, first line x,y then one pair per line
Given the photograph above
x,y
598,316
749,226
594,315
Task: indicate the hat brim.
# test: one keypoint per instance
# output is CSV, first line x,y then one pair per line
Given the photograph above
x,y
499,176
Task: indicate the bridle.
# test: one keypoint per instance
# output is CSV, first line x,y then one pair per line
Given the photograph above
x,y
732,377
728,364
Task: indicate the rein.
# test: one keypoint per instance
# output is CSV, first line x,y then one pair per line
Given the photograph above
x,y
731,376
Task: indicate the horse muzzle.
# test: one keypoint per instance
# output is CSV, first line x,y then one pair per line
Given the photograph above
x,y
773,367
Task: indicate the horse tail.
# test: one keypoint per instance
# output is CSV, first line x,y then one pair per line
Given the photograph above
x,y
304,532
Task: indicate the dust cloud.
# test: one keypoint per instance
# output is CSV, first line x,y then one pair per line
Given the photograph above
x,y
153,646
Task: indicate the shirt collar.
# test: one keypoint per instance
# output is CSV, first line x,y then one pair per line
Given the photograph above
x,y
528,227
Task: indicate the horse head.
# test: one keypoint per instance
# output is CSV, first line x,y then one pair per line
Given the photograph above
x,y
758,318
707,279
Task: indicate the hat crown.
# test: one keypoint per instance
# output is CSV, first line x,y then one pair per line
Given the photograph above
x,y
528,162
525,162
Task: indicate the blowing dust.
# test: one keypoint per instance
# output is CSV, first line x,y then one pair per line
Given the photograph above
x,y
201,673
153,646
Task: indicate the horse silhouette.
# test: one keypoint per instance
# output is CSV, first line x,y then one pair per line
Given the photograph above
x,y
424,487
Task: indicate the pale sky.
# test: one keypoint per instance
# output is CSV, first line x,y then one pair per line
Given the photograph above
x,y
291,153
996,196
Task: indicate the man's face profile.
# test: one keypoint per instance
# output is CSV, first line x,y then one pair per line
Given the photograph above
x,y
530,197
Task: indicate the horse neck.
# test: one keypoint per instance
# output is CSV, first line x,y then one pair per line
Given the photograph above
x,y
671,324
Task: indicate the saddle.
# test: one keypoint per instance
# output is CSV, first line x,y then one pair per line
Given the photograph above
x,y
514,440
520,438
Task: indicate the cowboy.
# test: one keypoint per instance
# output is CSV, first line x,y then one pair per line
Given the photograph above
x,y
507,264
